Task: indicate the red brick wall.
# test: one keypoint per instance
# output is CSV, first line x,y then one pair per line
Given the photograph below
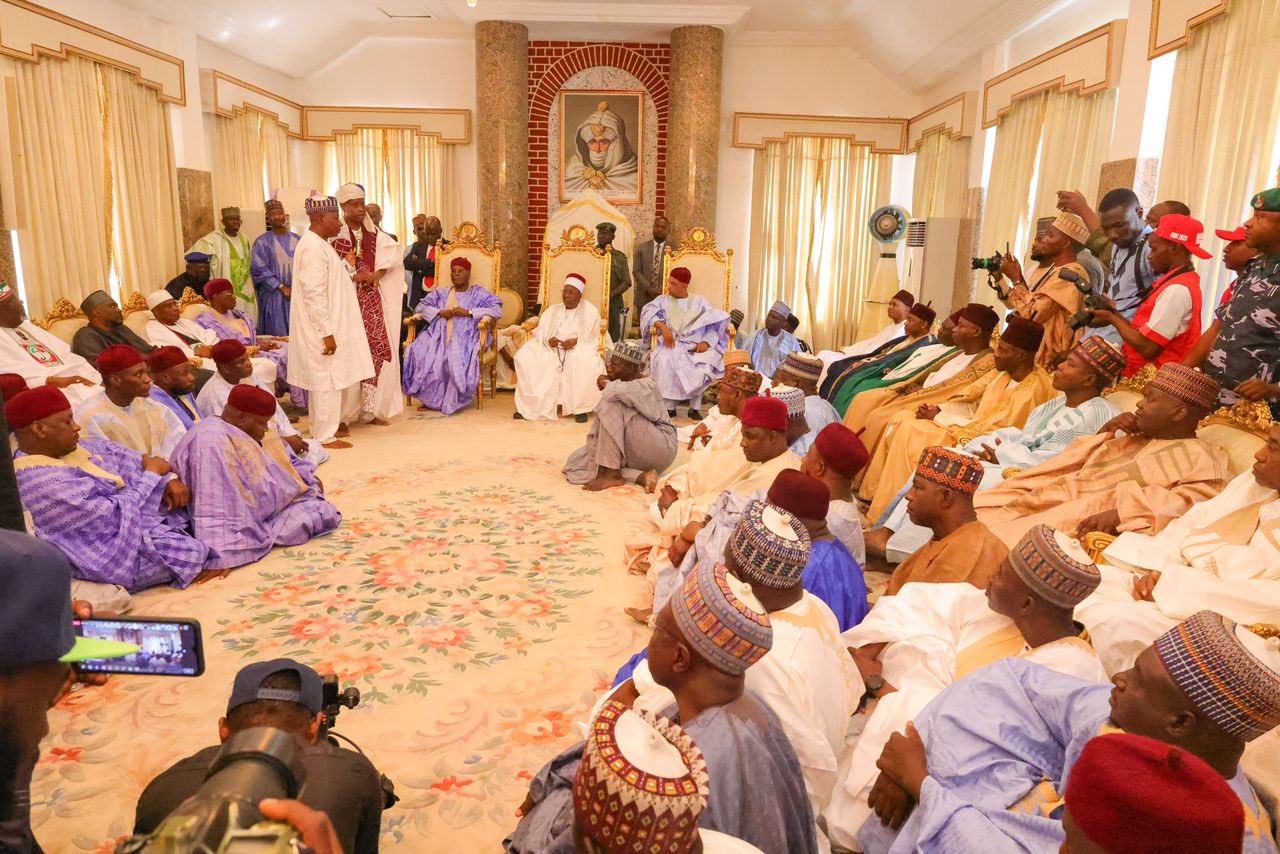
x,y
551,63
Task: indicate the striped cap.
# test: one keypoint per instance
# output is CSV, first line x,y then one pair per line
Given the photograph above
x,y
629,351
951,469
1230,674
737,357
1099,355
641,785
1186,384
320,205
770,546
1054,567
791,396
803,365
722,620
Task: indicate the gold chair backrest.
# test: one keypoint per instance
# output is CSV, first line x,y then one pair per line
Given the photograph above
x,y
136,313
1126,393
711,271
470,242
577,253
1240,430
193,305
64,320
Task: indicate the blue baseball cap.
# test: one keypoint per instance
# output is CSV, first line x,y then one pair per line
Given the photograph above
x,y
35,607
248,685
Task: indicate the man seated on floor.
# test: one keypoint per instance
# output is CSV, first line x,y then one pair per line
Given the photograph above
x,y
801,371
692,336
173,382
899,305
1138,481
104,329
124,411
832,574
941,499
915,643
632,434
169,328
560,363
248,493
769,345
1221,554
1080,410
986,760
870,413
1003,397
38,356
797,425
236,368
706,639
285,695
119,515
721,428
873,366
442,365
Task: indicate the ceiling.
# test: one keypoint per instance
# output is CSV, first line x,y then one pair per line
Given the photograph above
x,y
917,43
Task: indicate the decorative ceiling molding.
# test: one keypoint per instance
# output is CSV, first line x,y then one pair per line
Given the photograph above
x,y
884,135
230,96
953,117
1086,64
1173,20
450,126
29,32
568,12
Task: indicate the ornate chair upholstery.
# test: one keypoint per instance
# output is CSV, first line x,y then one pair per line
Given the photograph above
x,y
63,320
136,313
577,253
711,270
1126,393
192,304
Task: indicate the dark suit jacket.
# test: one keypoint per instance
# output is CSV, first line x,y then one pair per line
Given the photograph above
x,y
647,277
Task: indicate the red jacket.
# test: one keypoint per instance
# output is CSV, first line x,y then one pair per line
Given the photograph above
x,y
1175,349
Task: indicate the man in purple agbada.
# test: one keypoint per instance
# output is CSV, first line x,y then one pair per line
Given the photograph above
x,y
230,322
442,365
691,338
249,491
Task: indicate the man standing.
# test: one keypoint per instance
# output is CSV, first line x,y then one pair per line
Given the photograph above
x,y
442,365
40,357
228,252
692,336
420,260
379,279
560,364
770,345
105,328
330,349
1166,325
272,269
194,277
646,264
375,214
619,278
172,382
124,411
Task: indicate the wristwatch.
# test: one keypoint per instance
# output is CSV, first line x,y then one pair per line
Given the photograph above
x,y
874,683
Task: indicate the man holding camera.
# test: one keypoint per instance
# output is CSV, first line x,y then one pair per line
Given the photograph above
x,y
288,696
1052,299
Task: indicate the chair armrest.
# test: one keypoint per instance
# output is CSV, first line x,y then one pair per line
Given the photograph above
x,y
1096,543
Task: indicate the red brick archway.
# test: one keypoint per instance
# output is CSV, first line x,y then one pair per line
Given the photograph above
x,y
550,65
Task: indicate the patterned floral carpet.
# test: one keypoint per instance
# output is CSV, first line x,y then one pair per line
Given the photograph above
x,y
471,595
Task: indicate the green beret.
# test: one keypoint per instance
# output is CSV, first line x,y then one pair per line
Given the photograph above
x,y
606,226
1267,200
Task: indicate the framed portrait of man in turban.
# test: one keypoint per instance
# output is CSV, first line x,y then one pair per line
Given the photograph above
x,y
601,144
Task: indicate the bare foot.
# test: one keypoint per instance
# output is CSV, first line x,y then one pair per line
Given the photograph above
x,y
209,575
343,431
877,540
380,422
424,408
649,480
604,481
640,615
336,444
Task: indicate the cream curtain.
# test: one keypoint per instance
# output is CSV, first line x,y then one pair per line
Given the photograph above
x,y
942,163
147,230
276,155
237,161
1222,122
1073,146
64,206
404,172
1007,218
810,244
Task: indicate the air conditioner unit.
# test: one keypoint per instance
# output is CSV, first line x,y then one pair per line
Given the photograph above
x,y
929,265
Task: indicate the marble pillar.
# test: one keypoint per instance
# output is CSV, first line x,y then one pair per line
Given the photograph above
x,y
502,143
1137,173
195,204
693,126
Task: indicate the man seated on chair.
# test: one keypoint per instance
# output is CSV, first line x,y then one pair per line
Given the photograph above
x,y
842,379
801,371
1139,473
228,322
771,344
899,304
173,383
105,328
117,514
123,410
914,644
249,492
169,328
561,362
720,427
442,365
691,337
632,434
1221,554
38,356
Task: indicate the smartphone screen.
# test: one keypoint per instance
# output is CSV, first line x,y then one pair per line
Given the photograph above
x,y
167,647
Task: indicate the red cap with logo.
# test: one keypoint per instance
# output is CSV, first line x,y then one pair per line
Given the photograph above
x,y
1184,231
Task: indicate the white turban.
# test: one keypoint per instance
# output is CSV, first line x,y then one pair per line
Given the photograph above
x,y
349,192
573,280
156,297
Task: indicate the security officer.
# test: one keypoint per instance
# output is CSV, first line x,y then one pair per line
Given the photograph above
x,y
619,277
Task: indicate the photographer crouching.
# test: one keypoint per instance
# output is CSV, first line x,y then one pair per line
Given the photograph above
x,y
1052,297
287,696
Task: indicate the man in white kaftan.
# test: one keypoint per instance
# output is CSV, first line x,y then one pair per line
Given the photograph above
x,y
168,328
1222,554
40,357
560,363
329,352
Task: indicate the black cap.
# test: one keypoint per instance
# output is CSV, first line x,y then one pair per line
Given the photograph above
x,y
248,685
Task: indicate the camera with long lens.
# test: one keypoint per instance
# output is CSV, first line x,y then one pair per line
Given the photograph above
x,y
222,817
991,265
1092,301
